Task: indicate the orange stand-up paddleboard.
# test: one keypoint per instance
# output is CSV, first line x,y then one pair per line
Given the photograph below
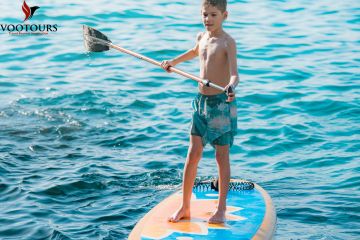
x,y
250,215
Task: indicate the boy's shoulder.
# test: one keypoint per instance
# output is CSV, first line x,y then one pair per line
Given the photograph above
x,y
228,38
229,42
199,36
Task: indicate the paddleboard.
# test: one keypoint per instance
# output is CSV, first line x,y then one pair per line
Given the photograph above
x,y
250,215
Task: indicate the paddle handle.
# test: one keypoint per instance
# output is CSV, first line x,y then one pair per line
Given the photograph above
x,y
173,69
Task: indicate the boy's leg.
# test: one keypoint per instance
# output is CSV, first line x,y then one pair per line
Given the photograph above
x,y
190,169
222,159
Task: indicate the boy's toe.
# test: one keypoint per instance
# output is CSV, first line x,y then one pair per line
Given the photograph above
x,y
172,219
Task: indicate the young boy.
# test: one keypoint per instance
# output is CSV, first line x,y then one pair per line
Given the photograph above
x,y
215,116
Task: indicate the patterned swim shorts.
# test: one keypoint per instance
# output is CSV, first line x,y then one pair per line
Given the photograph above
x,y
214,120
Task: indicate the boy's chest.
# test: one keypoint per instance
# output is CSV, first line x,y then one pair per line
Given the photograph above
x,y
211,49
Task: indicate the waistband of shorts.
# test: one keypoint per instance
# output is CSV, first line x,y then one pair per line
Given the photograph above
x,y
220,95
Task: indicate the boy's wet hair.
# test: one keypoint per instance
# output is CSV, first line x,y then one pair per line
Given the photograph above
x,y
219,4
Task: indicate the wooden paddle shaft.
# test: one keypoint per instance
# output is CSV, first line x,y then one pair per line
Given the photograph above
x,y
175,70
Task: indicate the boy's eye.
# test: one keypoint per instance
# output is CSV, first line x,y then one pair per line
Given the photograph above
x,y
205,14
213,15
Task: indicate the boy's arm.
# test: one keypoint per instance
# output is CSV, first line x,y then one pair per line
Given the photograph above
x,y
231,54
190,54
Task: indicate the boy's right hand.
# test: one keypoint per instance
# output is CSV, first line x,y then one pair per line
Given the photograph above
x,y
166,64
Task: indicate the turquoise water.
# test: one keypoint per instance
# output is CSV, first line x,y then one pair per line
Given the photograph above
x,y
91,142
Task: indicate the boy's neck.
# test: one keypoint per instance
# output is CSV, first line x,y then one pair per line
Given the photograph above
x,y
218,32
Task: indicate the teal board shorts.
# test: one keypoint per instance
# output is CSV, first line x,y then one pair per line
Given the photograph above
x,y
214,119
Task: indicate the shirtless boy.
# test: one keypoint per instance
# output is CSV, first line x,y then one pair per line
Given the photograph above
x,y
214,117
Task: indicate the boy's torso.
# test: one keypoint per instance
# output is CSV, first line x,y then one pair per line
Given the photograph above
x,y
214,64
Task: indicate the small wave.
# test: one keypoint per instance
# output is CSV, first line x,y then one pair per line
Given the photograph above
x,y
141,104
73,188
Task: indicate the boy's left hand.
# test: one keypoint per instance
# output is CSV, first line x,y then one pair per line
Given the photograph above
x,y
230,91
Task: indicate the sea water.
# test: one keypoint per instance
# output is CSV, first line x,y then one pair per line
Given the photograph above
x,y
90,142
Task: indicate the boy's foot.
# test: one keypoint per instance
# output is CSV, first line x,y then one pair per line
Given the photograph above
x,y
218,217
179,214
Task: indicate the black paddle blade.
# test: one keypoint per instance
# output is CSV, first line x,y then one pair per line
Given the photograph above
x,y
94,40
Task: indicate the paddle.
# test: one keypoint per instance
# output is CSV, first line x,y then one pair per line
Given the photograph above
x,y
95,41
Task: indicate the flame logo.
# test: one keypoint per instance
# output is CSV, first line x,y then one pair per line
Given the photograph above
x,y
28,11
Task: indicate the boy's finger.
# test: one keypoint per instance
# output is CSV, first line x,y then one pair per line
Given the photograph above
x,y
165,66
230,99
168,68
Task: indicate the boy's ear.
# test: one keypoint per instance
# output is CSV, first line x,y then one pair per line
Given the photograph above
x,y
225,14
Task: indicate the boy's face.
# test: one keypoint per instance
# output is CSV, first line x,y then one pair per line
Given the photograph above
x,y
212,17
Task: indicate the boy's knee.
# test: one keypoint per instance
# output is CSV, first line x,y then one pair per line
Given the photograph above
x,y
222,152
196,147
195,152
